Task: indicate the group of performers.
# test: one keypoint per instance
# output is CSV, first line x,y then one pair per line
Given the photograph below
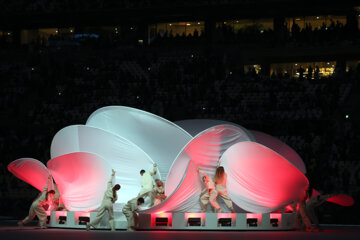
x,y
213,188
154,190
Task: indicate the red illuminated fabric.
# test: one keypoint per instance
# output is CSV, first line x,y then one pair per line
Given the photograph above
x,y
281,148
82,179
342,199
186,195
259,179
204,150
31,171
120,154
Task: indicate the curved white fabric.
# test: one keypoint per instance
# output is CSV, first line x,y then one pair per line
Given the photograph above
x,y
160,139
185,197
205,151
31,171
121,154
281,148
81,178
196,126
259,179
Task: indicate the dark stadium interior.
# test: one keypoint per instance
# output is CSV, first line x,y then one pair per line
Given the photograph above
x,y
289,69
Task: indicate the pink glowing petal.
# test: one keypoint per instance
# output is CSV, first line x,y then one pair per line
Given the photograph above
x,y
185,196
31,171
315,193
81,178
205,150
259,179
342,199
281,148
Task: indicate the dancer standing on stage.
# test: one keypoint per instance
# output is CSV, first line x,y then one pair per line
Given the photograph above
x,y
148,185
159,192
220,186
130,212
109,199
37,208
210,194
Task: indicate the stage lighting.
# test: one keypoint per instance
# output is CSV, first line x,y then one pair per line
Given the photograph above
x,y
224,222
194,221
252,222
62,219
161,221
274,222
83,220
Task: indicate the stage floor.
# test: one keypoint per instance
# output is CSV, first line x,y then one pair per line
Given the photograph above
x,y
32,232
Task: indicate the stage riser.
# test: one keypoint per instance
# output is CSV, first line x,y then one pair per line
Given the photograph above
x,y
179,221
72,220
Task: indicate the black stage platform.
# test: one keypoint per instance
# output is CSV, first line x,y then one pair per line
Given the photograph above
x,y
32,232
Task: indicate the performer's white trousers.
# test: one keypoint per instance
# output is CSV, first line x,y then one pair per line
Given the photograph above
x,y
301,215
221,190
36,210
132,222
209,196
106,205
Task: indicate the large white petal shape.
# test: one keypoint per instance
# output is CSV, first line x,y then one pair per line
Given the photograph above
x,y
81,178
187,193
259,179
31,171
281,148
205,151
196,126
121,154
160,139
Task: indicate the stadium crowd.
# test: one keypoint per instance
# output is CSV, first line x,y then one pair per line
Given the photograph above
x,y
44,89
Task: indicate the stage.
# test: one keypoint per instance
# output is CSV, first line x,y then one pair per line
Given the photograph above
x,y
31,232
180,221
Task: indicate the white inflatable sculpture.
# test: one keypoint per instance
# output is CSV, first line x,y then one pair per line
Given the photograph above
x,y
264,174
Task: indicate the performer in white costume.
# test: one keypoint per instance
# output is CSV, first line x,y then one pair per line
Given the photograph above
x,y
109,199
220,186
159,192
148,185
210,194
130,212
314,202
37,208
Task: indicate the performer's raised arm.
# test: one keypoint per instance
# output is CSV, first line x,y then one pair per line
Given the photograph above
x,y
154,171
200,171
47,183
110,182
